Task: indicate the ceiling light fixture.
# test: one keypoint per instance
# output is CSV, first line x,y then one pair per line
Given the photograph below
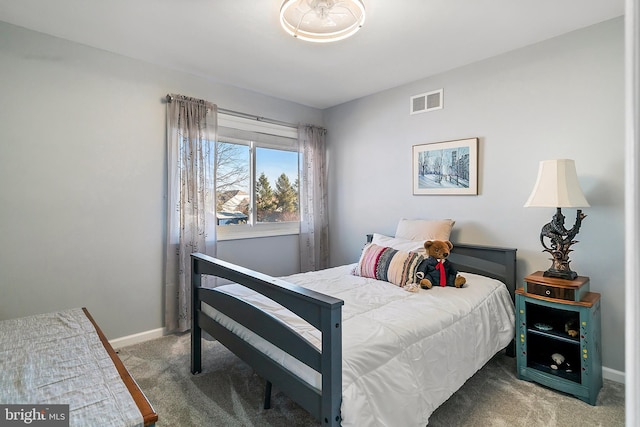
x,y
322,21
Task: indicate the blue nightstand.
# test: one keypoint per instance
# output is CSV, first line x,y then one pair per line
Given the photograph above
x,y
557,316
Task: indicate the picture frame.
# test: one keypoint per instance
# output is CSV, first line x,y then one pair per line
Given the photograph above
x,y
446,168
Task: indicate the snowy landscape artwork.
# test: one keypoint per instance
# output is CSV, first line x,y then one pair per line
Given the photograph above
x,y
449,167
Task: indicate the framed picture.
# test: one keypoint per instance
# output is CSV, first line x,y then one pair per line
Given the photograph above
x,y
449,167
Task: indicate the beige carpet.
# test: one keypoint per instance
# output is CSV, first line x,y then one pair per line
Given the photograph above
x,y
229,393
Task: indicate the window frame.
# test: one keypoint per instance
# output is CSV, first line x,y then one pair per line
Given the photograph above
x,y
262,229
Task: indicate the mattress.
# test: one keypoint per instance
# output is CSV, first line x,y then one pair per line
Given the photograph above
x,y
404,354
58,358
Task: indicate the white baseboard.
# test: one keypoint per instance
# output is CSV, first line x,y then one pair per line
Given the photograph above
x,y
137,338
613,375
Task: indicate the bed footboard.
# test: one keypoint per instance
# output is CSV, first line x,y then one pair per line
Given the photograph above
x,y
321,311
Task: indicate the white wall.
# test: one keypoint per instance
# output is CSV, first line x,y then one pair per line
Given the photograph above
x,y
82,180
563,98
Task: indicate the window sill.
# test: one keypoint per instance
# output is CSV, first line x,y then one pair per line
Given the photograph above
x,y
237,232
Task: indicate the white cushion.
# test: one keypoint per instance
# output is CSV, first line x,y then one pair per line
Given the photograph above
x,y
399,244
424,229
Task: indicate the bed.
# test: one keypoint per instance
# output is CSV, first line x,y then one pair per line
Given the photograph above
x,y
353,350
63,358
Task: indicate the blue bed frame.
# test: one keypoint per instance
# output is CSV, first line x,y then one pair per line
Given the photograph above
x,y
322,311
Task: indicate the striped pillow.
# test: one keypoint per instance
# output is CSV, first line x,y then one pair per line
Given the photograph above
x,y
388,264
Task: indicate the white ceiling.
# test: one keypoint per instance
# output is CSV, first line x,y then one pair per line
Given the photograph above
x,y
240,42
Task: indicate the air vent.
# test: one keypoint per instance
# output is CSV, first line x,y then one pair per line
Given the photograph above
x,y
426,102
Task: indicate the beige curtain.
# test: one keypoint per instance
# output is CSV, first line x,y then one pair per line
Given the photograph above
x,y
314,215
191,135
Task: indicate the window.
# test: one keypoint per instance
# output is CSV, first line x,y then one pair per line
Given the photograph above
x,y
257,183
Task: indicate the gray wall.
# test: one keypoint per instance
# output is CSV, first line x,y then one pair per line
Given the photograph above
x,y
82,180
563,98
82,169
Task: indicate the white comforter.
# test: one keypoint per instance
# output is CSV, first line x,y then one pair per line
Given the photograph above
x,y
404,354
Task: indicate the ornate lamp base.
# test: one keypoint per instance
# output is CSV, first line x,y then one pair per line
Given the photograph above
x,y
561,241
567,275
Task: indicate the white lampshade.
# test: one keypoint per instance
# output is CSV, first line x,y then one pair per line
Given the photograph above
x,y
557,186
322,20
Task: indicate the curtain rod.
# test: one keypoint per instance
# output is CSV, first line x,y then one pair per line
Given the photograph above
x,y
248,116
257,118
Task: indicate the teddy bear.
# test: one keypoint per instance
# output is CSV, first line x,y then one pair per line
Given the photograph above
x,y
436,269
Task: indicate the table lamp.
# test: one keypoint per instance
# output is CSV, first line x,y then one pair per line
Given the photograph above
x,y
557,186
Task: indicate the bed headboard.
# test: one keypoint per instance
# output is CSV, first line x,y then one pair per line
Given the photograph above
x,y
497,263
494,262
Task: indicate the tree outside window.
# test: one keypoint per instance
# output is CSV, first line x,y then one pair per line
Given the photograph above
x,y
276,196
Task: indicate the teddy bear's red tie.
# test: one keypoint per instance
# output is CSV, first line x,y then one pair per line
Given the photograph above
x,y
443,278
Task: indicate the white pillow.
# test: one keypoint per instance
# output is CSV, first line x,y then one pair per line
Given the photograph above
x,y
399,244
424,229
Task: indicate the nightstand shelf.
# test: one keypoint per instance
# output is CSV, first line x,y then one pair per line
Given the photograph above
x,y
544,308
554,335
569,376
